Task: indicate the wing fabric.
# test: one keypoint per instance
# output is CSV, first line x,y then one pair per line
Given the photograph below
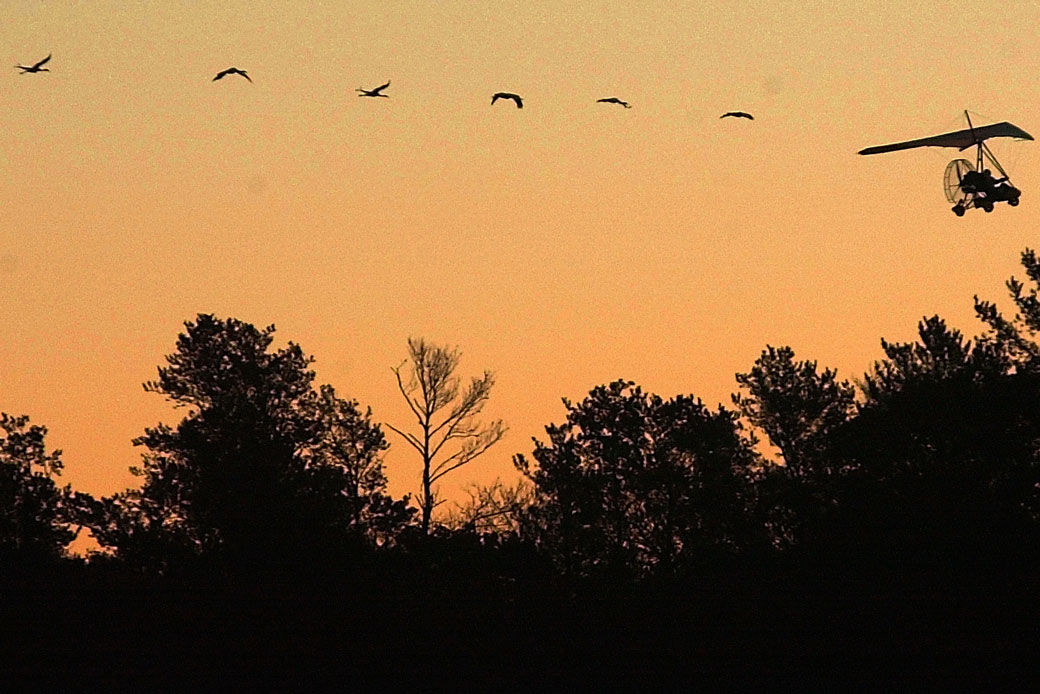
x,y
961,139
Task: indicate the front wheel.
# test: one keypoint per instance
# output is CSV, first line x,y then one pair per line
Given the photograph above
x,y
958,210
1013,202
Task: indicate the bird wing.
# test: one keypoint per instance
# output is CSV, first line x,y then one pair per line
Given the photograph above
x,y
243,73
507,95
221,74
42,62
380,88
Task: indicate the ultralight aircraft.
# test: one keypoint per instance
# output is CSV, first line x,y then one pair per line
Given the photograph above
x,y
970,184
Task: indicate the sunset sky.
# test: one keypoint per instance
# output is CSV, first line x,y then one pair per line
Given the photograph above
x,y
563,246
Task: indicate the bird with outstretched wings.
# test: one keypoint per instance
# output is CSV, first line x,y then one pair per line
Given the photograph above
x,y
374,92
231,71
38,67
506,95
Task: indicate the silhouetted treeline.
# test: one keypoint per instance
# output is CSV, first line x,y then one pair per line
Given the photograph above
x,y
890,529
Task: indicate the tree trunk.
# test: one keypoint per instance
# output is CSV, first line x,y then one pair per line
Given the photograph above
x,y
427,500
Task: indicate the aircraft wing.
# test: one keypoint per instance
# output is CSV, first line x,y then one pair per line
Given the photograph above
x,y
961,139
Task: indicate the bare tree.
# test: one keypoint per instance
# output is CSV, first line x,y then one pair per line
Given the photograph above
x,y
449,434
492,509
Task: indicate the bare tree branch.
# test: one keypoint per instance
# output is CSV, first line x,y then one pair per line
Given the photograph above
x,y
494,508
410,438
408,398
468,454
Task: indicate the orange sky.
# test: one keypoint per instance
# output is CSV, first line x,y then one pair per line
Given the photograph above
x,y
563,246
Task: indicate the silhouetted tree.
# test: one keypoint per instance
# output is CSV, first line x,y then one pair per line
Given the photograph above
x,y
261,467
635,483
36,515
144,533
449,434
346,461
798,408
1016,338
495,508
943,452
941,354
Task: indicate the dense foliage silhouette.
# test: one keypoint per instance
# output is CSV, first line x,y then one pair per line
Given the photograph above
x,y
799,409
263,469
892,528
943,452
36,515
636,484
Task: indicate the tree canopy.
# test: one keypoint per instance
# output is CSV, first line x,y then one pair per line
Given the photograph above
x,y
262,465
636,483
36,515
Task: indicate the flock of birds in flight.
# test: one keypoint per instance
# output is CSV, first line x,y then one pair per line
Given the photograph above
x,y
378,91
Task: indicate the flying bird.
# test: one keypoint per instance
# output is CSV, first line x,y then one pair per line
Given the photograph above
x,y
231,71
613,100
507,95
38,67
374,92
738,114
